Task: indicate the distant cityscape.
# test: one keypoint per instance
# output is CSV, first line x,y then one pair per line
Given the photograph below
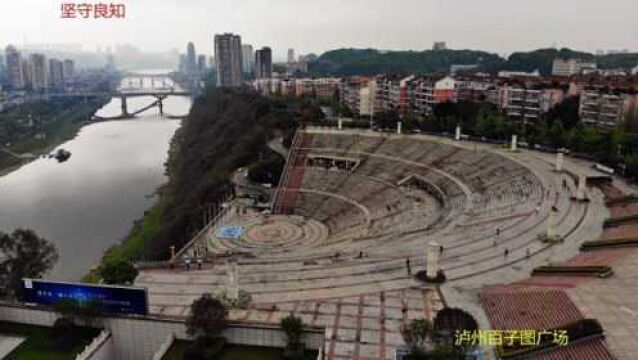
x,y
32,77
606,96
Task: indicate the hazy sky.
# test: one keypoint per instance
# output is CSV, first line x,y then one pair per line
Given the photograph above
x,y
317,25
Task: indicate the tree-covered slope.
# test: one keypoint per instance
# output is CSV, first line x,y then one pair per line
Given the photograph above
x,y
225,130
345,62
369,61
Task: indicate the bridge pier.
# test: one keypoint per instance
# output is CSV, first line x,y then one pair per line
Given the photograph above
x,y
124,106
160,104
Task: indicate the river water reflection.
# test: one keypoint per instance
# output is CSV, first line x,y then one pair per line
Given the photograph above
x,y
89,202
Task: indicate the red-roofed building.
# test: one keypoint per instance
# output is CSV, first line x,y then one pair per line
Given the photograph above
x,y
517,307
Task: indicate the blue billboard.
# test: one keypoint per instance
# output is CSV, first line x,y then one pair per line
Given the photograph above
x,y
112,299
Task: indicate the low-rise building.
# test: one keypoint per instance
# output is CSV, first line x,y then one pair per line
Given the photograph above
x,y
552,97
569,67
358,94
515,74
430,91
400,93
606,108
521,102
464,68
473,89
322,88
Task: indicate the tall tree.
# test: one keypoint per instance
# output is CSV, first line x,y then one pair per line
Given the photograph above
x,y
557,134
118,271
207,318
293,327
23,254
205,324
416,333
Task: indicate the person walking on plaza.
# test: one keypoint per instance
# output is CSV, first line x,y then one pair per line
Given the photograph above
x,y
507,251
199,264
407,265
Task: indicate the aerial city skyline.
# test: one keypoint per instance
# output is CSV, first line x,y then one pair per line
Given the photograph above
x,y
284,24
319,180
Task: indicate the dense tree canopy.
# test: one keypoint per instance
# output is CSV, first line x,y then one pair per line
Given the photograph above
x,y
118,271
226,129
345,62
23,254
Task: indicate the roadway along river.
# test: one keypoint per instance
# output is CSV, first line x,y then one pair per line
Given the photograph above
x,y
89,202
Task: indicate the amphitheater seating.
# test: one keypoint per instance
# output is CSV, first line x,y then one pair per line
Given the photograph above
x,y
496,185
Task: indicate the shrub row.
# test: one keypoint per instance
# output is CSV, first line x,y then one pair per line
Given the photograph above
x,y
602,271
620,220
608,243
622,200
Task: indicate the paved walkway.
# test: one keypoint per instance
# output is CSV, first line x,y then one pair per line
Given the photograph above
x,y
614,302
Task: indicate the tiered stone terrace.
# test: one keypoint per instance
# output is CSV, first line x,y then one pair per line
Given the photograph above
x,y
337,253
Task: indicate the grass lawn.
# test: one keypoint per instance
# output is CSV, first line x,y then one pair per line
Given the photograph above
x,y
232,352
39,343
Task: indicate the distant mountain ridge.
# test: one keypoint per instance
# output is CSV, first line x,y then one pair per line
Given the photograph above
x,y
347,62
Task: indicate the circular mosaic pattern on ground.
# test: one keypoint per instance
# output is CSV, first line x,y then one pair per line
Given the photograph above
x,y
273,232
276,233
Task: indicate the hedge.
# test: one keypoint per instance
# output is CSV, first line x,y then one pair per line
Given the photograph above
x,y
602,271
608,243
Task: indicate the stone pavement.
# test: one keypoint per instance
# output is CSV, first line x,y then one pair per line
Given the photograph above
x,y
614,302
364,327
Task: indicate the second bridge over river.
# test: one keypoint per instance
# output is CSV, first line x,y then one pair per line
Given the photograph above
x,y
158,86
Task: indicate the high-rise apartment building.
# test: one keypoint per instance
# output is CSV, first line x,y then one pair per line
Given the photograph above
x,y
201,64
263,63
13,62
38,72
56,72
68,69
291,55
26,74
191,59
228,59
182,63
248,58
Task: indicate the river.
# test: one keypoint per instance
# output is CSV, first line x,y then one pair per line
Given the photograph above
x,y
88,203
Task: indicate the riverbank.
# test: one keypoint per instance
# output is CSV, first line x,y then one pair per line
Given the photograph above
x,y
53,129
132,247
225,130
